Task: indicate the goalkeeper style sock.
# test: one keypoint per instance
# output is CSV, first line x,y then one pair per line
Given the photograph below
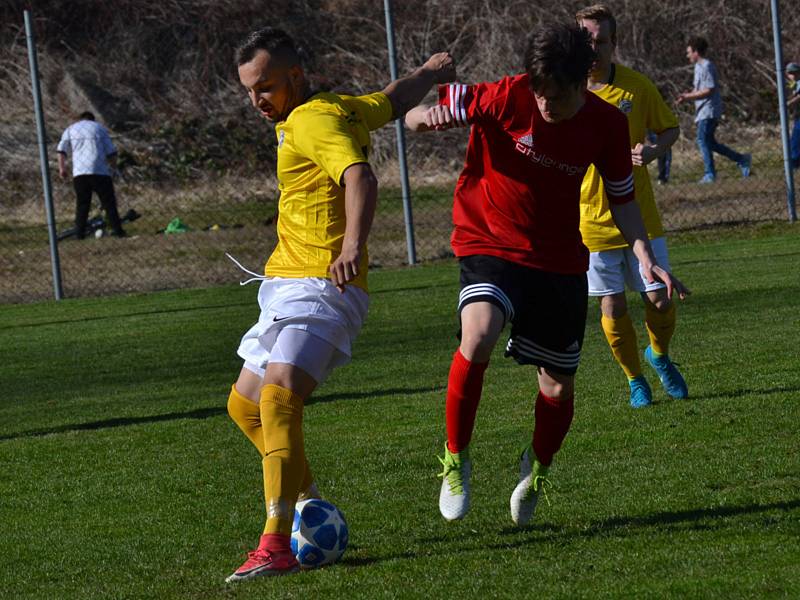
x,y
552,422
624,345
464,387
284,462
660,327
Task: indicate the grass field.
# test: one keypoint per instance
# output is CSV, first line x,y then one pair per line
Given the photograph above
x,y
122,476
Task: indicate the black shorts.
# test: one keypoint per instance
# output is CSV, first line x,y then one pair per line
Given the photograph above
x,y
547,310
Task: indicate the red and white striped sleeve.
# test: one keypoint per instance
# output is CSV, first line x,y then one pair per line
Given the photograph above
x,y
460,99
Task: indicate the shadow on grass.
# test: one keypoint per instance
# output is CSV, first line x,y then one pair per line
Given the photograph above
x,y
741,392
692,517
381,393
120,316
203,413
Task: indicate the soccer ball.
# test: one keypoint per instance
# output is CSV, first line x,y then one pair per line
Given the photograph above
x,y
319,533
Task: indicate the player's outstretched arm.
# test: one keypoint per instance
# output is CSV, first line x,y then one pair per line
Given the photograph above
x,y
429,118
406,92
360,198
628,220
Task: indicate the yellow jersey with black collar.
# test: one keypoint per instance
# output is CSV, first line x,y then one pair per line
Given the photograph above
x,y
639,99
317,142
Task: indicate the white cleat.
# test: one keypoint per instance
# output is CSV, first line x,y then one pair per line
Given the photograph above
x,y
454,496
532,479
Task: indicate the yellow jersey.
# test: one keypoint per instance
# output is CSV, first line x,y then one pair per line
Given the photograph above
x,y
637,97
316,143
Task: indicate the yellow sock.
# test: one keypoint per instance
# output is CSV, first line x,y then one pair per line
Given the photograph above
x,y
624,346
284,462
247,415
660,326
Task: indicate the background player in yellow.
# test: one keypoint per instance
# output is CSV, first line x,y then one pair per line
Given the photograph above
x,y
313,296
612,265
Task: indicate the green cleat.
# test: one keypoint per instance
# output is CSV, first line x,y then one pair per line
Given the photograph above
x,y
532,480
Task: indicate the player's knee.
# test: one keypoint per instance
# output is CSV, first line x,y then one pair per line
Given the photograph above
x,y
477,344
556,386
614,306
659,301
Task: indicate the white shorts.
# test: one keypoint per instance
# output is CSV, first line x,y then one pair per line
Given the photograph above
x,y
610,270
320,325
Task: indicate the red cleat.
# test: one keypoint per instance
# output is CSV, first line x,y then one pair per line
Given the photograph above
x,y
265,562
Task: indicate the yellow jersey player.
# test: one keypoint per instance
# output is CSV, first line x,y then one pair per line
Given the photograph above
x,y
611,264
313,296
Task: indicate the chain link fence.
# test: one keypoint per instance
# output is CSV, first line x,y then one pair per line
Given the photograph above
x,y
198,188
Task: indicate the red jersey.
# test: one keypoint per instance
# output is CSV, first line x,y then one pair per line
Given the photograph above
x,y
518,197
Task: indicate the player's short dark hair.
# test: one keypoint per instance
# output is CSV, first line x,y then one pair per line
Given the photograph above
x,y
560,53
599,13
698,44
86,116
275,41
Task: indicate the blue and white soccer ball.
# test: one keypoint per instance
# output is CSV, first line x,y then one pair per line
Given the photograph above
x,y
319,533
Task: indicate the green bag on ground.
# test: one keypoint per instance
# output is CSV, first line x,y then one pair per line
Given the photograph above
x,y
176,226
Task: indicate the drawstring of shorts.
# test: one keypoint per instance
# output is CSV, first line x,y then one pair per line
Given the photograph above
x,y
255,276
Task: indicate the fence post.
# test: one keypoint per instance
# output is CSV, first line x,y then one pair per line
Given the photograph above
x,y
40,132
401,140
787,159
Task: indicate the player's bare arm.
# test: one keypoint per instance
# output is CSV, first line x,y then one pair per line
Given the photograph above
x,y
644,154
407,92
360,198
429,118
628,220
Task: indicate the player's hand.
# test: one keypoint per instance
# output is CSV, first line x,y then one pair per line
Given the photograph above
x,y
680,98
345,268
642,155
439,117
674,285
442,66
62,173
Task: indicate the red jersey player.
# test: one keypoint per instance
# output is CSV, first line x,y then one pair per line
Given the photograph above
x,y
517,238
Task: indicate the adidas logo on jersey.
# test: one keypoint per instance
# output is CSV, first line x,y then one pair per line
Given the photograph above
x,y
526,140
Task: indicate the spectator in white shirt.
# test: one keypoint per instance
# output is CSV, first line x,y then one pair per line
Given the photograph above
x,y
93,158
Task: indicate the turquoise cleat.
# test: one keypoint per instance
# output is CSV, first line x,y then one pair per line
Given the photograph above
x,y
641,395
672,380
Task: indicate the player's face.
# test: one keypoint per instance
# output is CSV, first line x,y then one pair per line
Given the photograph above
x,y
558,103
274,89
692,55
602,42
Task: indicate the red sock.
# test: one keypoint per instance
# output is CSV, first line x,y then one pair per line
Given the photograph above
x,y
553,418
463,394
275,542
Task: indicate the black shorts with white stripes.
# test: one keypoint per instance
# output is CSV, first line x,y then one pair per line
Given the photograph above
x,y
547,311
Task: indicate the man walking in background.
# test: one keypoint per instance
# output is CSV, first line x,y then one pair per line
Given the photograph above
x,y
313,298
94,156
517,238
612,264
708,111
793,104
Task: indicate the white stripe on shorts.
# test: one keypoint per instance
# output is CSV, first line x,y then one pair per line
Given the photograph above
x,y
537,353
487,289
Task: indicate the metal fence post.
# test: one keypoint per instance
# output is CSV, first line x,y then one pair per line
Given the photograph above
x,y
401,141
787,159
40,132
